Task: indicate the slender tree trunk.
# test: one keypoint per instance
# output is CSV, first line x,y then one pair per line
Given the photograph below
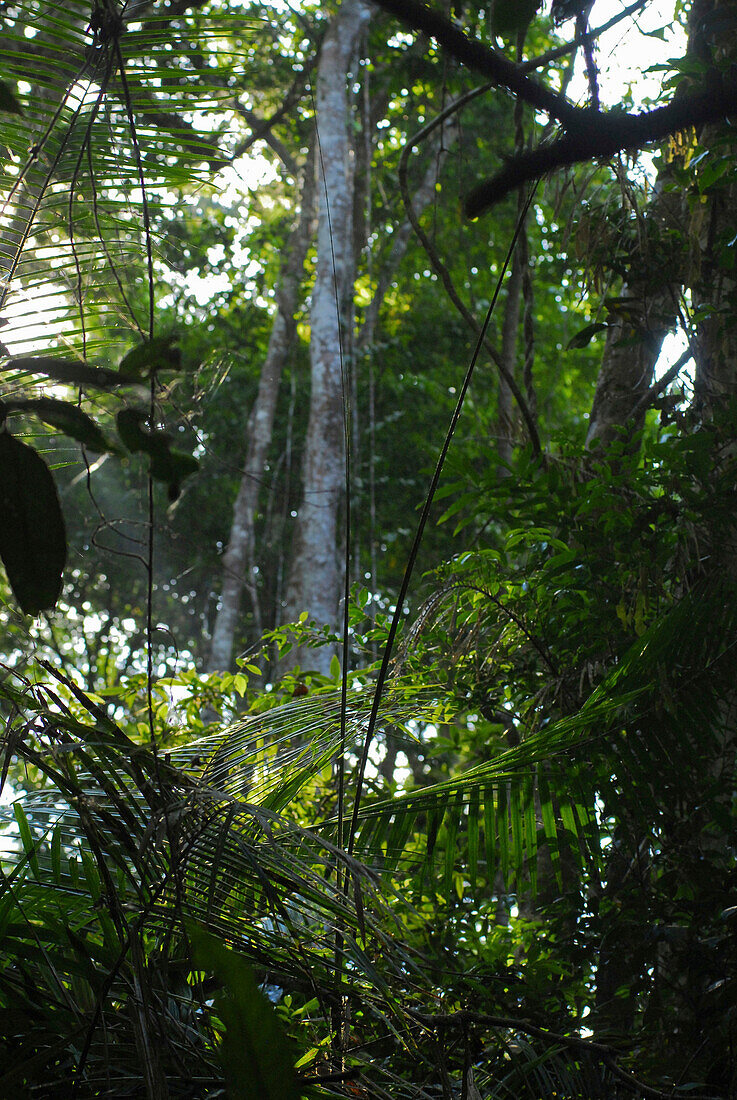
x,y
238,568
314,580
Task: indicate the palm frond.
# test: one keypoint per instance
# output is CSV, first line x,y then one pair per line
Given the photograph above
x,y
105,105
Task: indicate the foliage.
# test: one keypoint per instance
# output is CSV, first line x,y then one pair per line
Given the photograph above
x,y
529,890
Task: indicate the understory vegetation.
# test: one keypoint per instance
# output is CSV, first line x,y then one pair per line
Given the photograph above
x,y
368,470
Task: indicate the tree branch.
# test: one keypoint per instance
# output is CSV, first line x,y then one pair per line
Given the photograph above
x,y
442,271
591,134
602,136
482,59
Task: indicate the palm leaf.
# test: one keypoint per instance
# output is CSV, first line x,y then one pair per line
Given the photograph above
x,y
102,108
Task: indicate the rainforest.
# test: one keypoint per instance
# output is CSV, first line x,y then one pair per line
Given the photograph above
x,y
368,601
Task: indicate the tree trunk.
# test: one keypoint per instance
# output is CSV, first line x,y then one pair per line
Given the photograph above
x,y
314,580
645,312
505,403
238,557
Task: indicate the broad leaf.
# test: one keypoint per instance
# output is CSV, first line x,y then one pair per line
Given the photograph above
x,y
512,16
167,465
256,1056
33,544
583,338
8,102
74,371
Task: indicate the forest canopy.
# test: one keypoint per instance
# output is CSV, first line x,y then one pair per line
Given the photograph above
x,y
368,443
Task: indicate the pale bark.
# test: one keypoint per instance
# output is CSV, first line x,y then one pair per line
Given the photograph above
x,y
314,580
238,560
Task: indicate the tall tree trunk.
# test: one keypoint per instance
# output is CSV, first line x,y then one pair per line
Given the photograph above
x,y
314,580
238,566
650,309
645,312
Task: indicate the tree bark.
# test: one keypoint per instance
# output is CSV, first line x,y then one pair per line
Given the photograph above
x,y
646,311
238,568
314,580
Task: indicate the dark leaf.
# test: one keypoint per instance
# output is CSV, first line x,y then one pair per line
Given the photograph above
x,y
583,338
32,537
166,464
74,371
172,467
66,418
130,424
161,353
512,16
8,102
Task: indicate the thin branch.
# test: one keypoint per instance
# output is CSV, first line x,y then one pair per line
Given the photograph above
x,y
442,270
557,52
665,380
262,130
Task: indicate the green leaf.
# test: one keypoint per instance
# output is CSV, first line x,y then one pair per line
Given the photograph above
x,y
583,338
451,825
33,543
161,353
473,836
26,836
172,467
66,418
713,171
56,854
256,1056
334,668
130,427
8,101
490,833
